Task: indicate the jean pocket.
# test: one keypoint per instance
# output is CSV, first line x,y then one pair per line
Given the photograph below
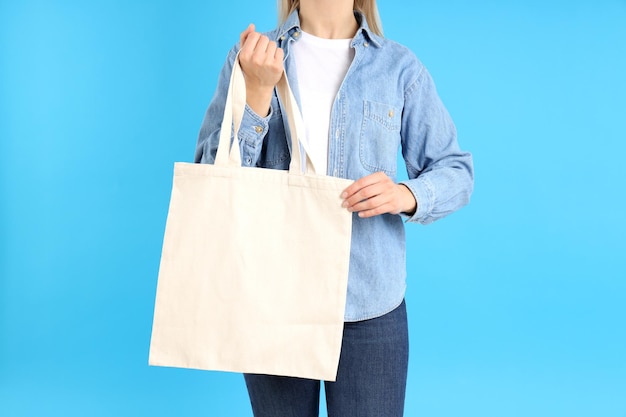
x,y
380,137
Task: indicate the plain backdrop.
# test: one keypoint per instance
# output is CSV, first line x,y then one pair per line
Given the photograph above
x,y
517,303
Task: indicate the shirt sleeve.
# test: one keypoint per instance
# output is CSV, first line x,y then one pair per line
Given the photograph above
x,y
253,128
441,175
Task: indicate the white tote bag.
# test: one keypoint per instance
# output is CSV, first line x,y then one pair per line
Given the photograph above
x,y
254,267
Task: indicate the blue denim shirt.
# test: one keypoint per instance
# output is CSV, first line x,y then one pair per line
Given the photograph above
x,y
386,102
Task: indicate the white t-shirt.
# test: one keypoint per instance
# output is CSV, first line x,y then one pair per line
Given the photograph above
x,y
321,65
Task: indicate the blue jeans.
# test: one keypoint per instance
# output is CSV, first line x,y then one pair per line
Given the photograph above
x,y
371,380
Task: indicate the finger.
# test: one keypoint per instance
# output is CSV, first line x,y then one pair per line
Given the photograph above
x,y
275,58
270,51
244,35
362,183
374,207
260,49
364,194
375,211
369,204
356,186
249,45
279,55
377,184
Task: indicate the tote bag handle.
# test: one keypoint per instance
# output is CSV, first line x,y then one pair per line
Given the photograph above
x,y
233,114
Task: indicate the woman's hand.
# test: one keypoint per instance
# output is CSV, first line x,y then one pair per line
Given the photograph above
x,y
377,194
262,64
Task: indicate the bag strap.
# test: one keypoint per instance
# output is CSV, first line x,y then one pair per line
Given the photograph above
x,y
233,114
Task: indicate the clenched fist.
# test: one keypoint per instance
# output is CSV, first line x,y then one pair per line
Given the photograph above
x,y
262,64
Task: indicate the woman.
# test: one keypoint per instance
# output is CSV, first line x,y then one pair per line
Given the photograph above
x,y
362,98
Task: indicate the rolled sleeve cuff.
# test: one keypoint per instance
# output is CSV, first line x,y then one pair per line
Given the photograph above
x,y
253,127
424,194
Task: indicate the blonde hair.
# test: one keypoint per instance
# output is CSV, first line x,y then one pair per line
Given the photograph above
x,y
367,7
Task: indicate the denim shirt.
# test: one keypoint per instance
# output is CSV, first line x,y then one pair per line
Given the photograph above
x,y
386,103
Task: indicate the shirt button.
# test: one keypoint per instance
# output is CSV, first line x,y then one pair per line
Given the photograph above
x,y
296,35
258,129
366,44
248,161
282,38
337,134
390,113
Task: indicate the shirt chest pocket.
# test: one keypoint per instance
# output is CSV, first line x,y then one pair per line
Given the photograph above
x,y
380,137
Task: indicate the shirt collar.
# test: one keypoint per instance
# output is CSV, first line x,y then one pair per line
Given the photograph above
x,y
292,26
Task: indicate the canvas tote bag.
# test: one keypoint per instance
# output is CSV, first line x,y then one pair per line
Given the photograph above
x,y
254,266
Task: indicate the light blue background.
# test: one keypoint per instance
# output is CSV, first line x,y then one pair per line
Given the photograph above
x,y
517,303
